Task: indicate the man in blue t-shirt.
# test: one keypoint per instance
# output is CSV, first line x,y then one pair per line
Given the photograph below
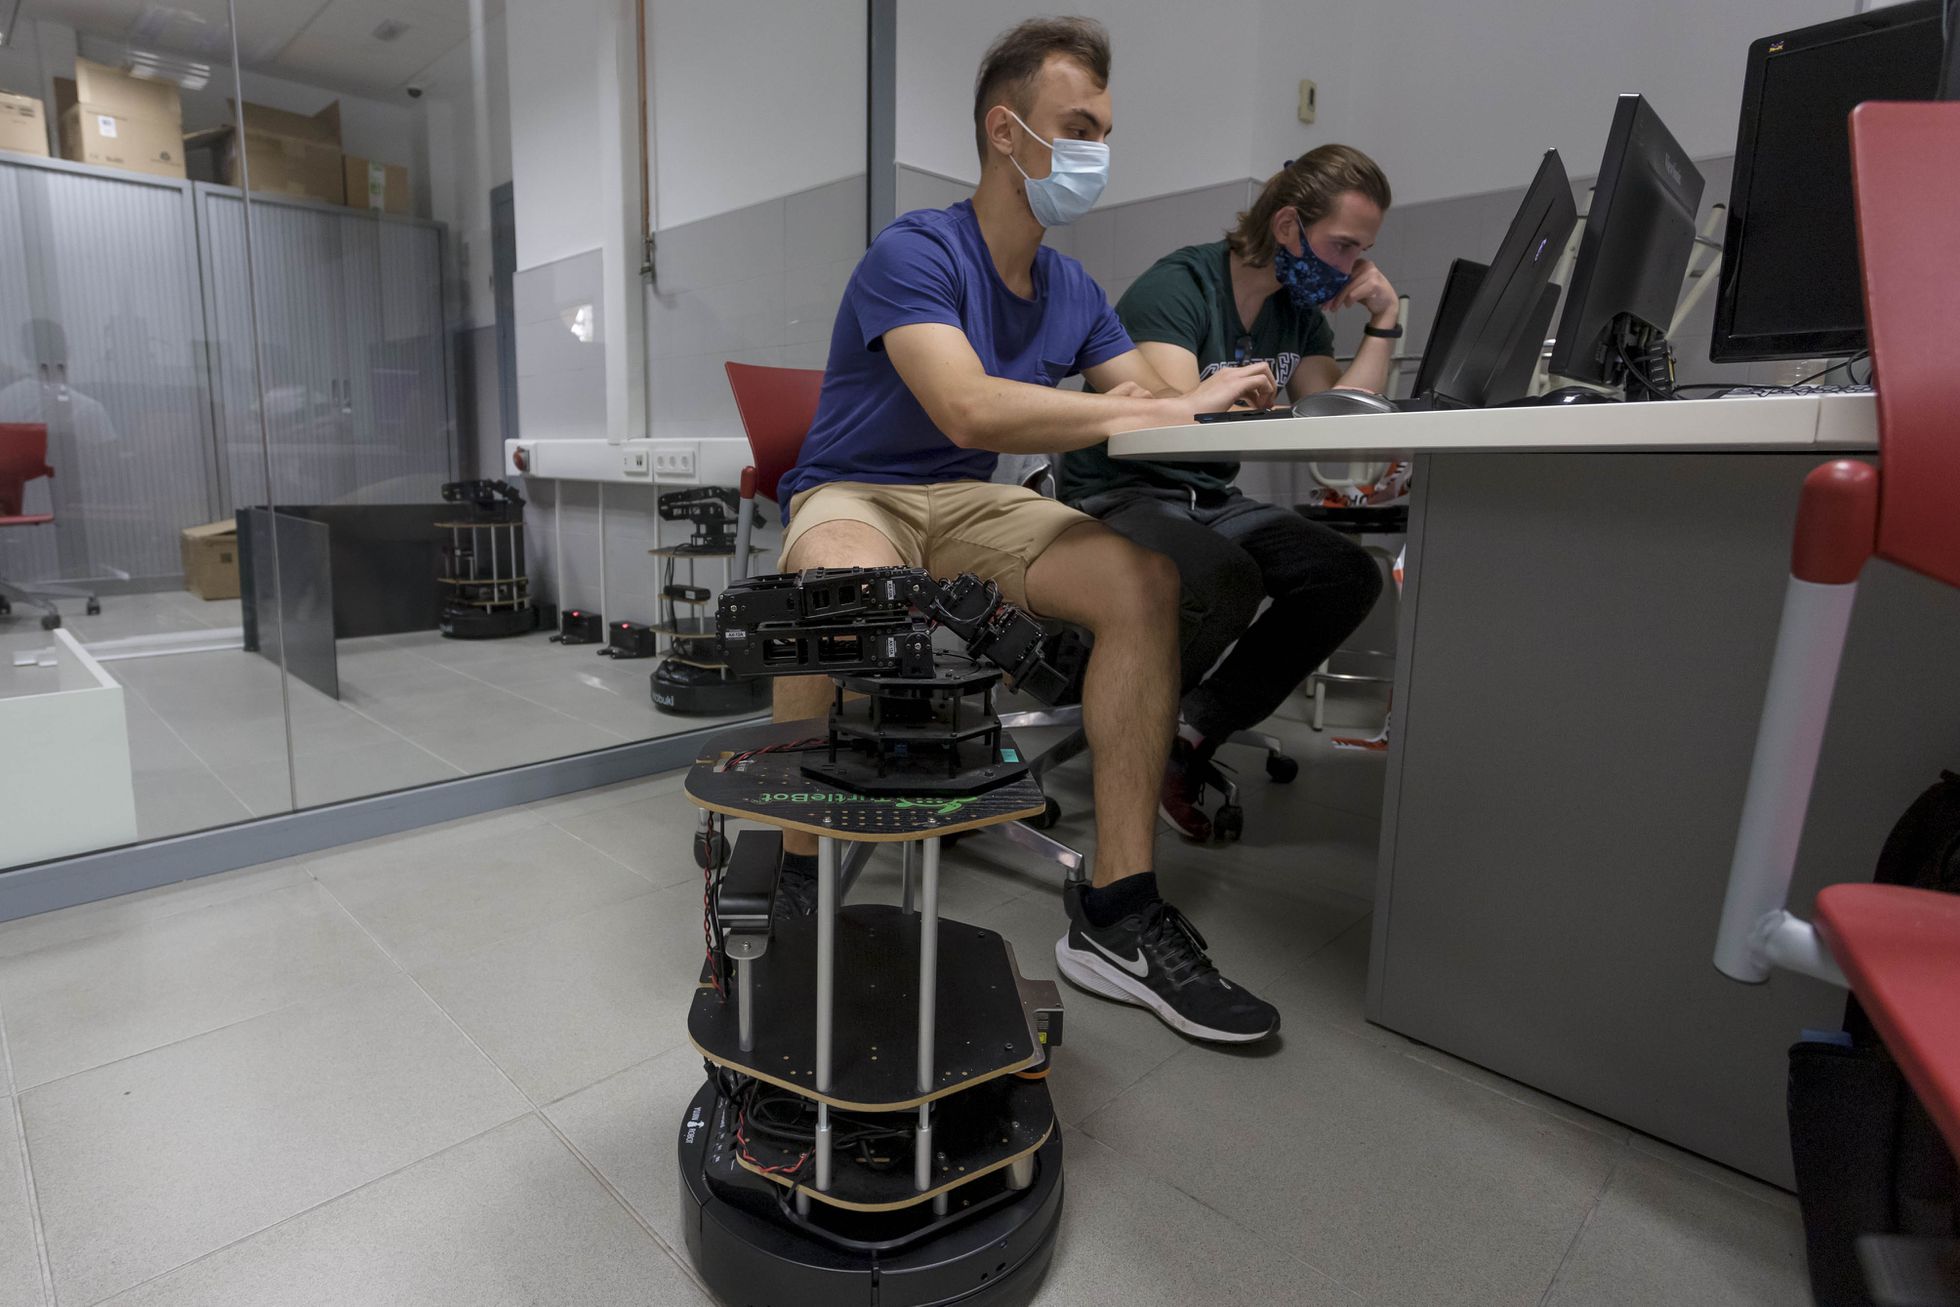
x,y
950,341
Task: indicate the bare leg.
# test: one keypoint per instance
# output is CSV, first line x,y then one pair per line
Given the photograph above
x,y
834,544
1127,597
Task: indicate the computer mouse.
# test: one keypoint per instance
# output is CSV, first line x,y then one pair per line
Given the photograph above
x,y
1576,395
1340,402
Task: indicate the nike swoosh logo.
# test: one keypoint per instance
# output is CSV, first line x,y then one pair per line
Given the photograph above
x,y
1136,966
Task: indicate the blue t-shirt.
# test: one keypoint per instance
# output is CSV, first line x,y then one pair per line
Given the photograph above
x,y
933,266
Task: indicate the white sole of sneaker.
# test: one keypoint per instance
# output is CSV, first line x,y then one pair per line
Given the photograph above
x,y
1090,972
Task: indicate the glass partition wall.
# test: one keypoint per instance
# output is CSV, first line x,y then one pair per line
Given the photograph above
x,y
400,246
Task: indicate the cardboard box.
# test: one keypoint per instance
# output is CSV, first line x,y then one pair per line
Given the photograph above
x,y
117,121
23,125
211,560
289,153
382,186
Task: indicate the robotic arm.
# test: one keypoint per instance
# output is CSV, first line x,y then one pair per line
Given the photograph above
x,y
857,620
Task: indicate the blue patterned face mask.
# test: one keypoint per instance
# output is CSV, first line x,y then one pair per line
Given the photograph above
x,y
1308,278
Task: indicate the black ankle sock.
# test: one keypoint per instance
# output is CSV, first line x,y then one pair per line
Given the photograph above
x,y
1113,902
800,864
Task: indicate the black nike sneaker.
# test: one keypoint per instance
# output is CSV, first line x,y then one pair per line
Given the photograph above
x,y
1155,958
796,893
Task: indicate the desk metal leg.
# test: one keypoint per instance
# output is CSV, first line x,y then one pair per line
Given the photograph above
x,y
826,996
928,1009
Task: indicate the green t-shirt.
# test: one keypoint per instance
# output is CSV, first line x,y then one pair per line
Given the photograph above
x,y
1185,298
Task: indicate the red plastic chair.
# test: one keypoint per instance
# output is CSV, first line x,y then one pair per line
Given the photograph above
x,y
1897,948
24,458
777,406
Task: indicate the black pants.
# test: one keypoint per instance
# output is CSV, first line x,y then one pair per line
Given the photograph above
x,y
1231,553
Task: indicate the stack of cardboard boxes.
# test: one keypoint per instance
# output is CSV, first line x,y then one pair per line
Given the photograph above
x,y
23,127
118,121
114,120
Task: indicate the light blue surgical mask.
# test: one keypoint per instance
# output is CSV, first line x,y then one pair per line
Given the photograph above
x,y
1075,180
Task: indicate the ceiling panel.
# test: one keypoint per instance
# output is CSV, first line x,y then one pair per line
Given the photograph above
x,y
377,69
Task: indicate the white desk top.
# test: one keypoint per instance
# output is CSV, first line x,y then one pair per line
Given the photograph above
x,y
73,668
1814,423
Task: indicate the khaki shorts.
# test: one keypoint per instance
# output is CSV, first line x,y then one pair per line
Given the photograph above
x,y
993,531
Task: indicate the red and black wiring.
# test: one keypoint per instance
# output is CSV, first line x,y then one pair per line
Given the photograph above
x,y
794,746
711,874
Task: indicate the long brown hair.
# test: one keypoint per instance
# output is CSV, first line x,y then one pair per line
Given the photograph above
x,y
1312,184
1007,71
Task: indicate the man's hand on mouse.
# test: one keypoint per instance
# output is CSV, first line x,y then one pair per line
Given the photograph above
x,y
1370,289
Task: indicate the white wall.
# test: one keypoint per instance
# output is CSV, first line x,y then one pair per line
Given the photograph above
x,y
1452,99
751,100
1464,98
556,161
465,117
1178,79
574,160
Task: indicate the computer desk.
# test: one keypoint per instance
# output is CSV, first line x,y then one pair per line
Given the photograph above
x,y
1585,635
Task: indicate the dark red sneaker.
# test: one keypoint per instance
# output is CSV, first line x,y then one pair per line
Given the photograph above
x,y
1181,799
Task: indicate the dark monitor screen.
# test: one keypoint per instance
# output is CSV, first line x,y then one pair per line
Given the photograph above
x,y
1511,379
1640,234
1789,286
1499,319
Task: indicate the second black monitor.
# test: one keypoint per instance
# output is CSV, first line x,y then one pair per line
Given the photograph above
x,y
1640,234
1499,319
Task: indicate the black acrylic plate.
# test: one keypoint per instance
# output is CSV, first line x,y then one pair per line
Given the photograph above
x,y
692,628
981,1028
700,551
772,788
977,1134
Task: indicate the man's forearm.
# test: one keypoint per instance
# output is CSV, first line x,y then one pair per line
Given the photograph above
x,y
1369,371
1012,417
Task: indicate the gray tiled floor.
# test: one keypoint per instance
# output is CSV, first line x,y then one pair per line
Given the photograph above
x,y
208,737
440,1068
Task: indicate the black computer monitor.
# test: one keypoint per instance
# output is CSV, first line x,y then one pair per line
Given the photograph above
x,y
1498,320
1640,234
1789,286
1511,378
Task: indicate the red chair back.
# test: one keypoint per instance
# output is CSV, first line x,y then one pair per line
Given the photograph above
x,y
23,458
777,407
1905,166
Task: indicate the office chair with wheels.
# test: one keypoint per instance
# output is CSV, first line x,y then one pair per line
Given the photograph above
x,y
24,458
1896,947
1228,819
776,406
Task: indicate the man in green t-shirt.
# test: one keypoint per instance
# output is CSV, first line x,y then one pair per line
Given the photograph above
x,y
1262,293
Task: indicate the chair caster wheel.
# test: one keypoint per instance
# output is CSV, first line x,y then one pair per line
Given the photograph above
x,y
1228,823
1051,812
50,621
5,607
709,850
1281,768
94,608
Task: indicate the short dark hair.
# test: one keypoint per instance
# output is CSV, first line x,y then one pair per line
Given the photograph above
x,y
1008,71
1313,184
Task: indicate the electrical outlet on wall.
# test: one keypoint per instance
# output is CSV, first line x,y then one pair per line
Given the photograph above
x,y
1309,101
636,462
673,462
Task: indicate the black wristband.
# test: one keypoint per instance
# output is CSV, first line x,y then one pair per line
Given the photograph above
x,y
1383,333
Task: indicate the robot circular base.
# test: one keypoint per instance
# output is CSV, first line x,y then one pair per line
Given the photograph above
x,y
751,1247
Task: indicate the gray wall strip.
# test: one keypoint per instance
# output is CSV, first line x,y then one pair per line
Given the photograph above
x,y
66,882
881,116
